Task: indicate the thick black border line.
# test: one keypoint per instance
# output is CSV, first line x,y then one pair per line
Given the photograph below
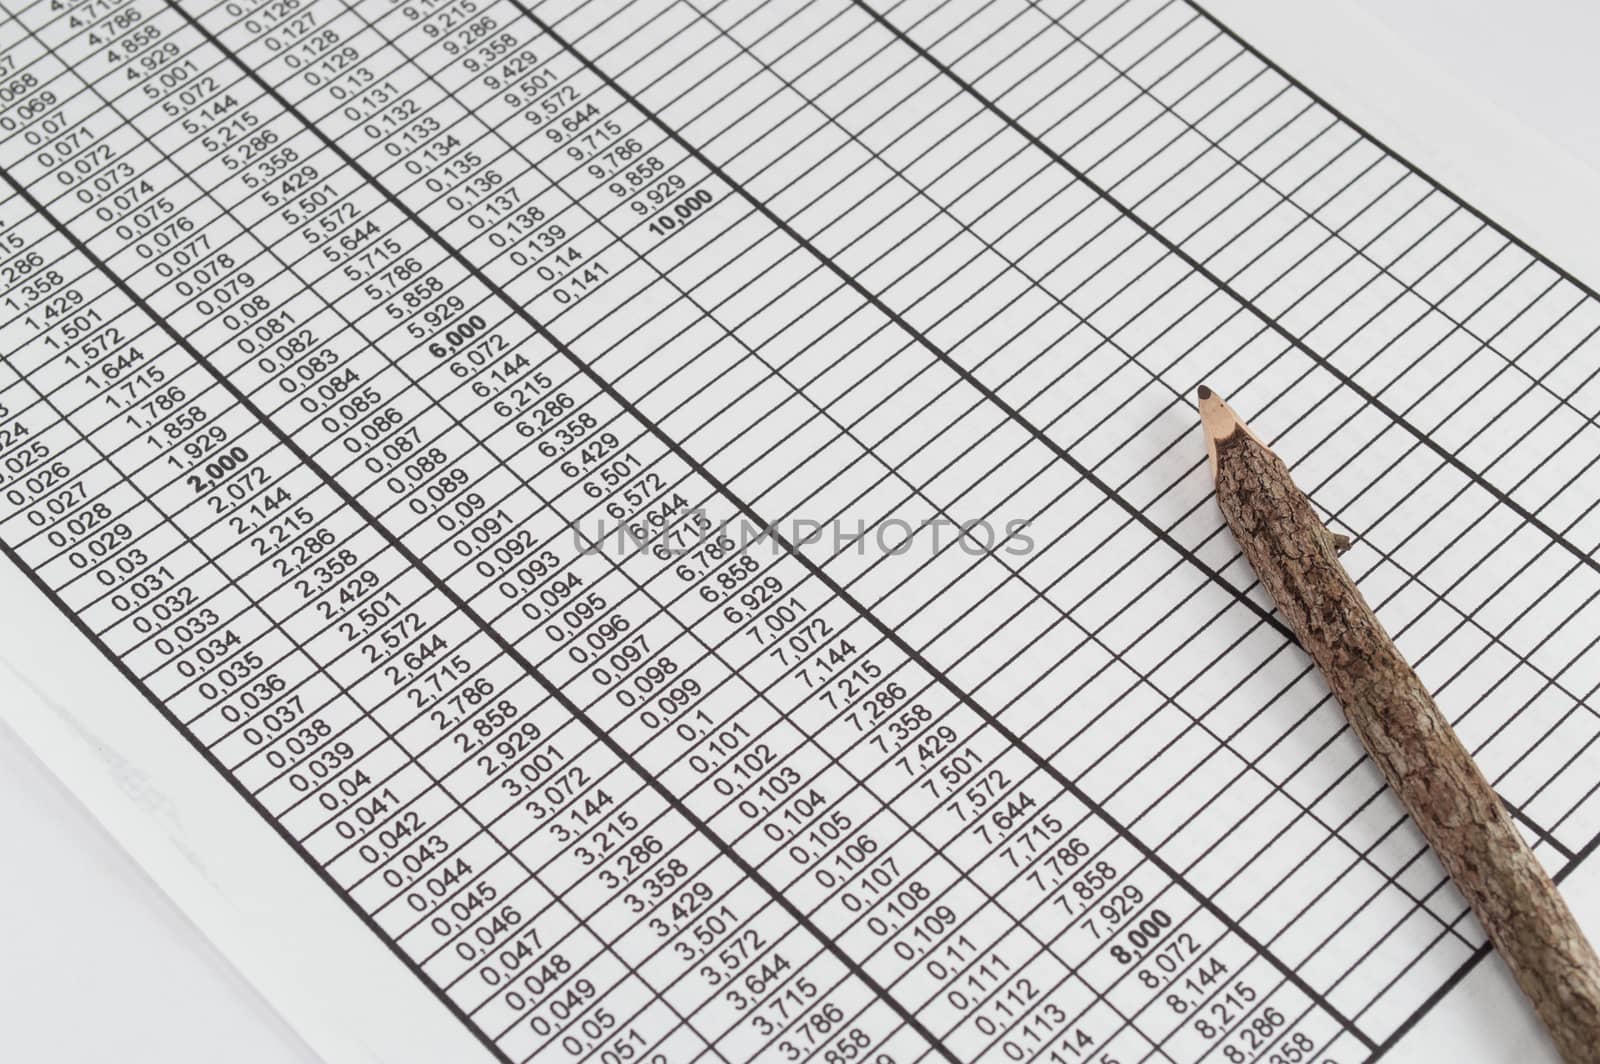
x,y
1413,167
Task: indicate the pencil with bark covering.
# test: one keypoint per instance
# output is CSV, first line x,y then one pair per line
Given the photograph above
x,y
1296,559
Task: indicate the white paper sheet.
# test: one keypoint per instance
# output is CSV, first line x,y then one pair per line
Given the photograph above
x,y
525,449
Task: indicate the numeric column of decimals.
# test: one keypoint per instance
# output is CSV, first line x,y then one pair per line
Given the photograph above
x,y
830,819
392,466
595,1022
382,827
203,646
725,745
770,919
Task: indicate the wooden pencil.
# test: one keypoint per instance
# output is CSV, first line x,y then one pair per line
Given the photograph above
x,y
1469,828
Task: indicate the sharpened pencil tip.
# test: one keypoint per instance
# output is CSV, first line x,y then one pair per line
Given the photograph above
x,y
1220,422
1216,415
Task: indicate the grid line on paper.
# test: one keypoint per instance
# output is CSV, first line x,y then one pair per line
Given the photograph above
x,y
1505,234
1539,830
1533,826
839,590
1558,539
1557,847
1370,398
1466,966
1468,316
911,829
906,648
